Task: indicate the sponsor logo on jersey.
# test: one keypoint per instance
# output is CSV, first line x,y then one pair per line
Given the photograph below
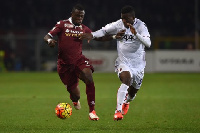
x,y
81,27
68,25
72,33
127,37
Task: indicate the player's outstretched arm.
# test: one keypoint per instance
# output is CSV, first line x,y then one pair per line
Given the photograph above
x,y
119,35
104,38
86,36
51,42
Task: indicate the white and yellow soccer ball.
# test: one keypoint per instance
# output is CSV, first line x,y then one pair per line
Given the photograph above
x,y
63,110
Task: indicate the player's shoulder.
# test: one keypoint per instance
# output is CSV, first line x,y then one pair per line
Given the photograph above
x,y
139,22
63,21
117,23
84,26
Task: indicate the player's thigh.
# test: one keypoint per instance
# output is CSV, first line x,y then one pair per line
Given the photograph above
x,y
137,78
84,70
124,73
69,79
121,68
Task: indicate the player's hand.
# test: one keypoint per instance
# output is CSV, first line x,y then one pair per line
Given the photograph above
x,y
52,43
120,34
132,28
86,36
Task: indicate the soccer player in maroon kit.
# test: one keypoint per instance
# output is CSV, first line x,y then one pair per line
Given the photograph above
x,y
72,65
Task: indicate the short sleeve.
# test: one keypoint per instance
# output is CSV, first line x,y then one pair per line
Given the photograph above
x,y
56,29
87,30
143,30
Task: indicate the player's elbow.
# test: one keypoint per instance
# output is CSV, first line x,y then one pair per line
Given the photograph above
x,y
148,44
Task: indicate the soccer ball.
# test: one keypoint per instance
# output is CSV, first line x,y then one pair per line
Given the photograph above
x,y
63,110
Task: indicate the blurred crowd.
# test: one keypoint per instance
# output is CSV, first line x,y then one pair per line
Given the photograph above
x,y
172,17
25,22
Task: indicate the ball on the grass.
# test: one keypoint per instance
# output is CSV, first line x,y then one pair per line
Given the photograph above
x,y
63,110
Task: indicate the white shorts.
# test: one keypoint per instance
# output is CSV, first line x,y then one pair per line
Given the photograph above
x,y
136,74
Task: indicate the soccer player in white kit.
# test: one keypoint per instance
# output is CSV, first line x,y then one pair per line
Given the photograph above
x,y
132,37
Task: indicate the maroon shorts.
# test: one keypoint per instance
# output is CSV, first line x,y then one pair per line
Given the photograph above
x,y
69,73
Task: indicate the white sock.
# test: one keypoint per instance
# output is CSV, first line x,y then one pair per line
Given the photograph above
x,y
121,95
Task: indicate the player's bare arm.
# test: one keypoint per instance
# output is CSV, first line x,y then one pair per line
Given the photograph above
x,y
132,28
51,42
86,36
104,38
120,34
89,36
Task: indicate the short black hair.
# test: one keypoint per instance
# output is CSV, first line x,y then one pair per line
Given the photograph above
x,y
128,9
78,7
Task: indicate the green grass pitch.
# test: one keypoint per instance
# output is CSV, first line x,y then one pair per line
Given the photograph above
x,y
166,103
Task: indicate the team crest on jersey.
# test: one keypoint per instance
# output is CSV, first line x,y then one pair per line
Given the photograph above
x,y
68,25
81,27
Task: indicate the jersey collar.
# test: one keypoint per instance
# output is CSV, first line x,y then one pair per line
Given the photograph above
x,y
70,20
135,21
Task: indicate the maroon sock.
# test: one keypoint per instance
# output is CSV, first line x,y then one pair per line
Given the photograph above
x,y
90,91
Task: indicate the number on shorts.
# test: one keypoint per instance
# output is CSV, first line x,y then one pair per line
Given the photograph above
x,y
140,82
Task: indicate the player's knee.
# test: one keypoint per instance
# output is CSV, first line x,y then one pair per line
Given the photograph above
x,y
126,81
87,78
125,78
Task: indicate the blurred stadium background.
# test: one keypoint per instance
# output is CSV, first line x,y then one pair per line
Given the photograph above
x,y
29,90
174,27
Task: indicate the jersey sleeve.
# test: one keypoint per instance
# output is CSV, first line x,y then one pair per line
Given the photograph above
x,y
87,30
107,30
56,29
143,30
143,35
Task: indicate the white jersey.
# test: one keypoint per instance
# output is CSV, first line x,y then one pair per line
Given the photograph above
x,y
131,47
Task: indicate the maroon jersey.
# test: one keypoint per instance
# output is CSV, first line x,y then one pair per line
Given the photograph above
x,y
69,44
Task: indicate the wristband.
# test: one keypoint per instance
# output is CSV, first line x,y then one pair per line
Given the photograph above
x,y
48,40
114,37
